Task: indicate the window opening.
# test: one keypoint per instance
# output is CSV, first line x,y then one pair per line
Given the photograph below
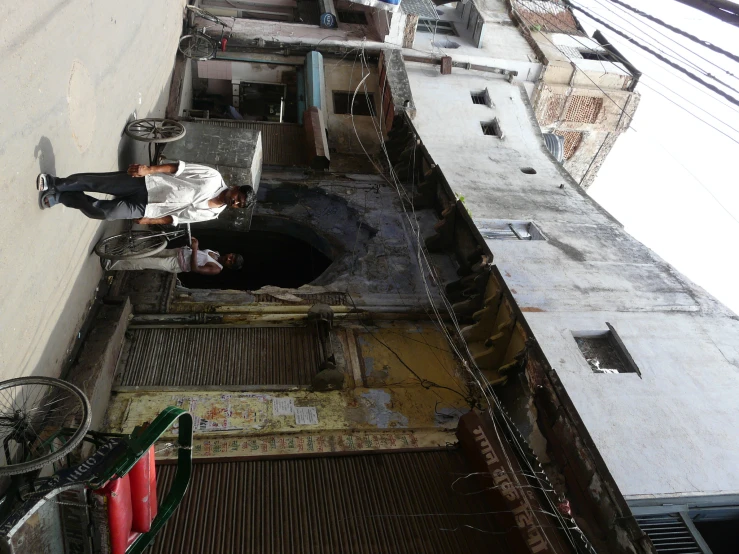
x,y
250,101
357,18
441,27
503,229
605,352
262,101
491,128
481,97
598,55
362,103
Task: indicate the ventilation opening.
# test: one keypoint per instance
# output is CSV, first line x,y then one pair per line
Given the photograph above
x,y
605,352
277,252
492,128
480,97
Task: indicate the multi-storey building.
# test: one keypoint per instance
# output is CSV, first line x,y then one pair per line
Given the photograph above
x,y
431,308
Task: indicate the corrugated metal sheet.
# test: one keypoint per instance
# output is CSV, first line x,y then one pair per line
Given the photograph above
x,y
556,145
382,503
330,298
282,143
190,356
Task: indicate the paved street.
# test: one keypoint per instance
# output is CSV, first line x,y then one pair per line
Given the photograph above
x,y
73,72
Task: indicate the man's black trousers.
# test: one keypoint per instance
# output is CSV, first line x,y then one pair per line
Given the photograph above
x,y
130,194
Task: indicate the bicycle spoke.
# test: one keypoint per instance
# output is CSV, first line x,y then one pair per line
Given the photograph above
x,y
41,420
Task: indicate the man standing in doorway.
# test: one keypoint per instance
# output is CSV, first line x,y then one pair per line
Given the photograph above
x,y
178,260
159,194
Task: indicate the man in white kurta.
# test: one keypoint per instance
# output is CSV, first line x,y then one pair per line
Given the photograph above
x,y
165,194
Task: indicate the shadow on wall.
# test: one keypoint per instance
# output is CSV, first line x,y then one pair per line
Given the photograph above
x,y
44,153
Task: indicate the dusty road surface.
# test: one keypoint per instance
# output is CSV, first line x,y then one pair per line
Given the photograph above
x,y
72,73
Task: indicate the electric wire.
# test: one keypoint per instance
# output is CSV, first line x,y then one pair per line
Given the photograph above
x,y
647,86
423,260
574,65
656,30
677,30
695,178
476,375
654,53
677,75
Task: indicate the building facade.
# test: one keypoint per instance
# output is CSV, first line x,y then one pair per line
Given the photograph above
x,y
439,343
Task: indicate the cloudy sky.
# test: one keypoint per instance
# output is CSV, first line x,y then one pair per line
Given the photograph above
x,y
671,179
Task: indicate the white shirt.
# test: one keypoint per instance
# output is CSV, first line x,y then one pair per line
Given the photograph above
x,y
184,257
184,195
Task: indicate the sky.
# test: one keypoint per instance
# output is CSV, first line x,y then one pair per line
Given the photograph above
x,y
671,180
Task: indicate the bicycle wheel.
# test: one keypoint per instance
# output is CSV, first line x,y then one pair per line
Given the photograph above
x,y
131,245
197,46
33,411
155,129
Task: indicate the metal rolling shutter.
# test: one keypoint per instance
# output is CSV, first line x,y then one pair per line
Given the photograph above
x,y
197,356
671,533
329,505
282,143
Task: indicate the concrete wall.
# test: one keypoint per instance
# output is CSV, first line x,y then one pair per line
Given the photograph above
x,y
562,51
345,76
553,106
501,44
674,430
346,35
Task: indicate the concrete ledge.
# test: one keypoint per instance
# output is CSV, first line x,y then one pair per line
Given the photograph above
x,y
95,367
176,87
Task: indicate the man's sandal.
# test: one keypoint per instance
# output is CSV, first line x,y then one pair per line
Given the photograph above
x,y
47,199
42,182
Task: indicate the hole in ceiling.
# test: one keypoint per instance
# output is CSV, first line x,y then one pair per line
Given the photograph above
x,y
528,170
277,251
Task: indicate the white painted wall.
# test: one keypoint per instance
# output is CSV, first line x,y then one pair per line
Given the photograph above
x,y
502,44
673,432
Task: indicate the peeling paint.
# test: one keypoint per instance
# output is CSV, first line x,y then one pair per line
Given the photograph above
x,y
378,412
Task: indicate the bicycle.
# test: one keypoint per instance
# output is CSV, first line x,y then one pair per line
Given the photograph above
x,y
197,45
135,244
43,420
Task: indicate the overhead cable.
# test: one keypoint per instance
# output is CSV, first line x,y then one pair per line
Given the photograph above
x,y
622,59
477,376
724,10
677,30
669,48
655,54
